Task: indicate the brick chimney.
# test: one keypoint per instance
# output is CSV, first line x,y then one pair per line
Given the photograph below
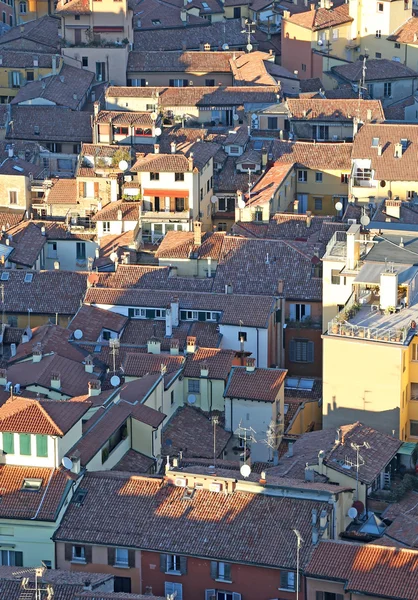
x,y
197,230
154,346
95,387
190,344
250,365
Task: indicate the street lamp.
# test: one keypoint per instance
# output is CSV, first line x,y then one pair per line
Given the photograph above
x,y
299,544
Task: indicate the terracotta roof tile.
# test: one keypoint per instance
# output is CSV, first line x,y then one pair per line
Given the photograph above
x,y
130,211
91,321
314,156
73,7
407,33
155,61
180,244
377,69
39,35
51,338
138,364
322,18
335,110
56,124
135,462
268,184
219,363
63,191
261,384
125,118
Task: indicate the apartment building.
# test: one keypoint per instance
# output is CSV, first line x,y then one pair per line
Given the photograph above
x,y
20,68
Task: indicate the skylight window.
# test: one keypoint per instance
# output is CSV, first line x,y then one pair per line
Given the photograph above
x,y
5,276
28,277
205,5
375,142
258,145
32,485
156,22
404,144
295,383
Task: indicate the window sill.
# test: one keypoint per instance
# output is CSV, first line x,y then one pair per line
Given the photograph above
x,y
173,573
78,561
224,580
121,566
287,590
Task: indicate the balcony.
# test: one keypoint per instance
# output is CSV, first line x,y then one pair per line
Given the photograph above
x,y
153,215
364,183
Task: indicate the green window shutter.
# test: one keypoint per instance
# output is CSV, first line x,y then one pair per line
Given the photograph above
x,y
201,316
150,313
8,443
131,312
24,442
183,315
42,446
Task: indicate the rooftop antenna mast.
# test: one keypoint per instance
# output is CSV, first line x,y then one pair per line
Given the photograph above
x,y
38,589
247,434
359,460
114,344
215,422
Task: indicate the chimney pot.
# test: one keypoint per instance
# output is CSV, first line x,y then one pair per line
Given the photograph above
x,y
197,230
250,365
190,344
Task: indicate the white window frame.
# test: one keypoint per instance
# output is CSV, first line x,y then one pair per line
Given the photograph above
x,y
74,557
140,313
106,226
173,564
302,176
193,386
299,312
122,557
318,177
173,590
291,577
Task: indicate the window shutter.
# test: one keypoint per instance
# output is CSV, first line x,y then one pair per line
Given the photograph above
x,y
81,189
311,351
18,559
210,595
307,310
213,569
131,312
111,554
292,351
236,596
163,562
88,552
169,587
96,189
131,558
171,83
227,571
283,579
68,552
185,82
183,565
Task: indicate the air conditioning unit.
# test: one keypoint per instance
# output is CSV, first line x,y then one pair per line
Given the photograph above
x,y
180,482
215,487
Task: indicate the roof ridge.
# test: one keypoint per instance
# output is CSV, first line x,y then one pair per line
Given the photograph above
x,y
48,416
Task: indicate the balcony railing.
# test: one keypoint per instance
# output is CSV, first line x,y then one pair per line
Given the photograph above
x,y
379,334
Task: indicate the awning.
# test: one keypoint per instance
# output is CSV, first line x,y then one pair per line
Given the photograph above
x,y
108,29
370,273
407,448
167,193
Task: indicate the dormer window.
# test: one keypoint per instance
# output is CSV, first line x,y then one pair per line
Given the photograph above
x,y
32,485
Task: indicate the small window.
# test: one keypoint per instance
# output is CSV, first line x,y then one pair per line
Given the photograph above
x,y
193,386
387,89
154,176
344,177
221,571
178,176
378,33
413,428
32,485
8,443
318,203
28,278
375,142
122,557
12,197
397,45
302,351
272,123
242,336
318,177
209,82
404,144
303,67
106,226
288,580
23,8
335,34
414,352
336,277
378,55
302,176
29,75
42,446
156,22
380,7
173,563
234,149
414,391
78,554
172,398
25,444
85,61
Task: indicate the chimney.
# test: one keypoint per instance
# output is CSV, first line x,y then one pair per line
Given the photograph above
x,y
57,265
393,208
120,215
168,322
290,449
3,377
204,369
55,380
156,148
183,15
315,535
175,309
209,266
54,65
379,150
95,387
353,246
369,114
97,252
190,159
308,218
154,346
296,206
96,108
314,516
398,150
280,287
35,61
312,6
43,230
37,353
250,365
323,519
263,478
174,347
264,157
388,289
190,344
26,335
197,230
173,147
76,460
1,59
88,364
228,288
242,344
10,151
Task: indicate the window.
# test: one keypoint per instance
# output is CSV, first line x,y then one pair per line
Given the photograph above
x,y
302,176
397,45
335,34
194,386
220,571
84,61
29,75
81,251
222,227
12,197
52,250
303,67
156,22
100,71
174,590
122,557
387,90
380,7
11,558
414,352
179,204
413,428
8,443
396,58
54,147
172,398
301,351
23,9
288,580
299,312
370,89
242,336
209,82
344,177
32,485
378,33
122,584
318,177
78,554
14,79
320,132
173,563
76,148
24,444
154,177
406,4
336,277
318,203
201,194
121,130
378,55
237,12
178,176
271,122
234,149
28,278
11,20
404,144
42,446
328,596
179,82
106,335
12,320
106,226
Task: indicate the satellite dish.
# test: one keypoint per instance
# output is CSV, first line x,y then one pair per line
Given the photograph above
x,y
158,131
241,203
225,47
249,47
114,257
191,399
235,117
78,334
214,199
339,206
67,463
352,512
123,165
154,116
365,220
320,43
115,381
245,470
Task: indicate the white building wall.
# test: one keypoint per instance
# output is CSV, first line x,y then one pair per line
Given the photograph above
x,y
253,414
257,341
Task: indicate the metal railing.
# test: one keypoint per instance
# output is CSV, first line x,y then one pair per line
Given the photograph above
x,y
378,334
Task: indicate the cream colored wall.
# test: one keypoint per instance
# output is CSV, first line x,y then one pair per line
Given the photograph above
x,y
116,59
362,381
211,394
345,481
142,439
197,79
19,184
67,255
333,294
393,188
33,538
330,187
95,464
34,461
321,585
310,412
52,394
69,440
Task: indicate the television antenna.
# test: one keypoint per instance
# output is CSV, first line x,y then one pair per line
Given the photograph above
x,y
273,436
215,422
246,434
249,30
359,462
114,345
38,589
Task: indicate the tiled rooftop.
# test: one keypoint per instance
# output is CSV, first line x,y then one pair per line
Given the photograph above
x,y
335,110
180,244
321,18
218,362
326,155
130,211
91,321
260,384
377,69
158,61
55,123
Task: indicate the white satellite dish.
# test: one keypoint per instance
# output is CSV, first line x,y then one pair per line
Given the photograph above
x,y
158,131
78,334
225,47
365,220
352,512
245,470
241,203
123,165
114,257
249,47
191,399
339,206
214,199
67,463
154,116
235,117
115,381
